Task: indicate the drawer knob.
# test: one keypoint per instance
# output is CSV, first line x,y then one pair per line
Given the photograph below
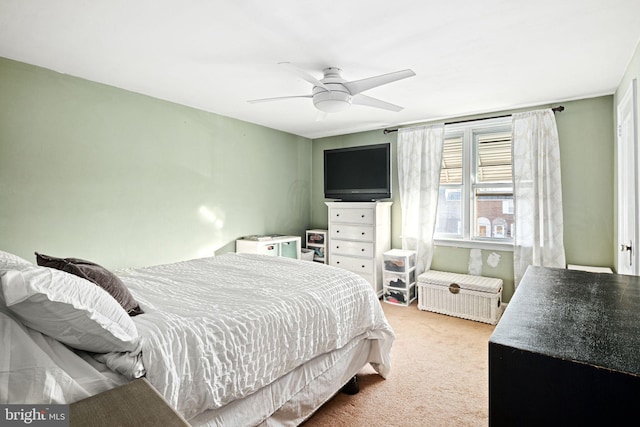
x,y
337,231
363,266
362,215
363,233
362,249
337,262
337,247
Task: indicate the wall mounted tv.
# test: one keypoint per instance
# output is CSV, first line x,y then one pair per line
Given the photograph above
x,y
357,174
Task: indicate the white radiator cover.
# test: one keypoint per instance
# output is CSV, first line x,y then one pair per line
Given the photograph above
x,y
462,295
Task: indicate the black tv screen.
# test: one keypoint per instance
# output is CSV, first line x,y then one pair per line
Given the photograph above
x,y
358,173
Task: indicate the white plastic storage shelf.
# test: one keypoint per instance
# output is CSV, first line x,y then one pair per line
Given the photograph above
x,y
399,277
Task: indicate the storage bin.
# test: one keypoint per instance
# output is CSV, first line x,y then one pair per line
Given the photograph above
x,y
306,254
271,249
398,280
400,296
289,249
461,295
399,260
315,238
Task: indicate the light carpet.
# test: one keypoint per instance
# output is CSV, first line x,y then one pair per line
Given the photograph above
x,y
439,376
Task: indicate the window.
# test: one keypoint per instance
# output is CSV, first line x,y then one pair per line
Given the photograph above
x,y
475,202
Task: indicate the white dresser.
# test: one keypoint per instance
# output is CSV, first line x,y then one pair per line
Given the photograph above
x,y
359,233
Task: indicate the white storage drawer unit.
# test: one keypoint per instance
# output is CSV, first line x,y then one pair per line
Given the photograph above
x,y
399,276
359,233
461,295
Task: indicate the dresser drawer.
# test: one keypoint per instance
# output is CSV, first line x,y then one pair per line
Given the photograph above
x,y
356,216
345,247
361,266
352,232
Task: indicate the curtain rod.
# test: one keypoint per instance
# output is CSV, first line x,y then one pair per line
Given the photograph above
x,y
557,109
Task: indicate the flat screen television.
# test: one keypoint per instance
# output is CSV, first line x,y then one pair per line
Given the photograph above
x,y
358,174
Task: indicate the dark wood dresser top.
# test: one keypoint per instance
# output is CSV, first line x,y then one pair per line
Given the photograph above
x,y
591,318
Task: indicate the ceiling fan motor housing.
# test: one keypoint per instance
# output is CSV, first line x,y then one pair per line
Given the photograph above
x,y
338,98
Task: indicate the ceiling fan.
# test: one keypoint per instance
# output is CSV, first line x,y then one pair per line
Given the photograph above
x,y
332,93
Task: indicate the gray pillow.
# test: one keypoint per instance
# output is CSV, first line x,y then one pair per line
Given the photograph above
x,y
96,274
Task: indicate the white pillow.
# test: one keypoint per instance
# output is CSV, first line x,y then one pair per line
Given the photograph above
x,y
8,260
68,308
32,366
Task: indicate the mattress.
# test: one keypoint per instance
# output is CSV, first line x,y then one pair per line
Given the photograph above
x,y
292,398
216,330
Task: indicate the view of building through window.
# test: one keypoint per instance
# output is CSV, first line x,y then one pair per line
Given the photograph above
x,y
494,213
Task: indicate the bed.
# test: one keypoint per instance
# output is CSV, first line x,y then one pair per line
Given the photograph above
x,y
237,339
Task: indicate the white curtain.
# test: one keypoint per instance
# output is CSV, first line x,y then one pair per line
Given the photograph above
x,y
419,161
537,192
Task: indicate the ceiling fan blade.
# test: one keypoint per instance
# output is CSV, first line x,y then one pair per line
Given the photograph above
x,y
358,86
304,75
376,103
256,101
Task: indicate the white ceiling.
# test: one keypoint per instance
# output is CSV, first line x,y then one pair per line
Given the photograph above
x,y
470,56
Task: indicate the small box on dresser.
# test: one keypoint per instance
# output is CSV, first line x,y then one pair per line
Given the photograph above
x,y
399,276
461,295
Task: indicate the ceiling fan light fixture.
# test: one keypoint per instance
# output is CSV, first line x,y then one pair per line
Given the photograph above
x,y
333,94
332,102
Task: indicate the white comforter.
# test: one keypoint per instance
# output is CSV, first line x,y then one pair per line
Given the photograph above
x,y
218,329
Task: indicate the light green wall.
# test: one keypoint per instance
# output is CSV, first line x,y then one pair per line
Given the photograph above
x,y
585,130
587,143
92,171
